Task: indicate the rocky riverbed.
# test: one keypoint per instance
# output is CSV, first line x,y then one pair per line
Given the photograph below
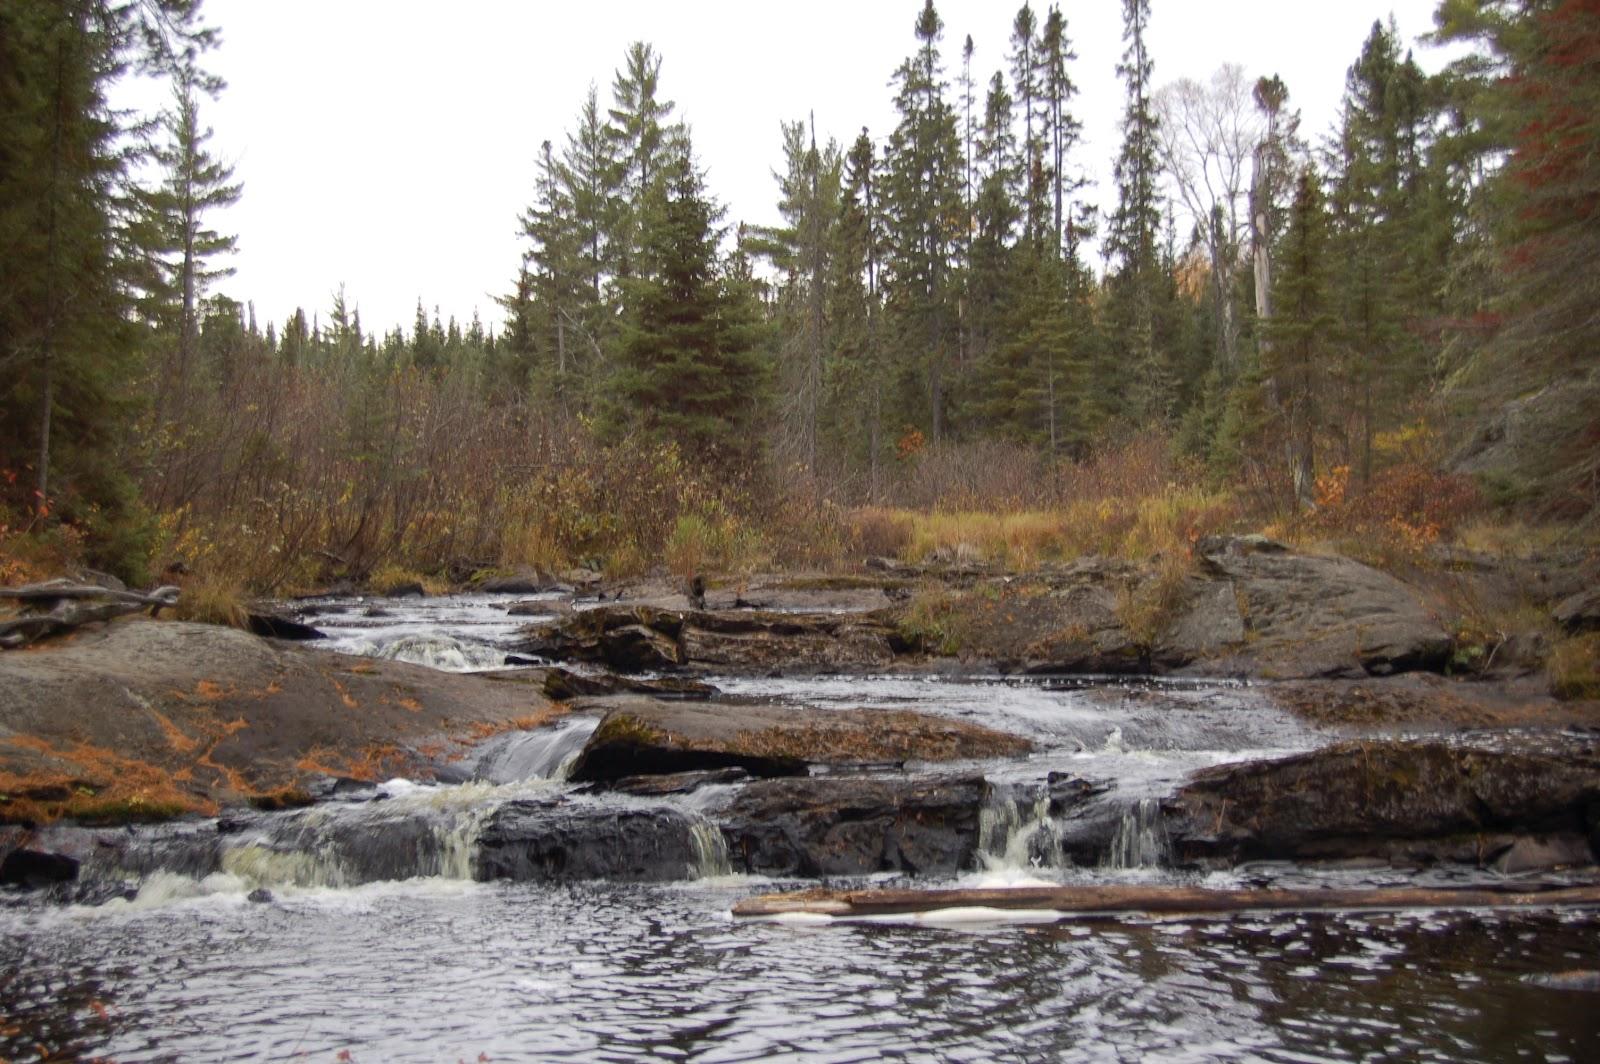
x,y
1379,756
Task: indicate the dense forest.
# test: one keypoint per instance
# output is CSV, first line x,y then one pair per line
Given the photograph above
x,y
1389,325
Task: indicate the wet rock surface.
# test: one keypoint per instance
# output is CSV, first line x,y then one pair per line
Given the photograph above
x,y
822,827
556,842
1416,802
154,718
644,638
640,737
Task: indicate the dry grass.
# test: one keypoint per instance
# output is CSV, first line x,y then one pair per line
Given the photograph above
x,y
213,599
1133,529
1575,668
1148,607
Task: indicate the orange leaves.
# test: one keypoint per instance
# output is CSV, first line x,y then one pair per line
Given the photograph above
x,y
910,444
1409,505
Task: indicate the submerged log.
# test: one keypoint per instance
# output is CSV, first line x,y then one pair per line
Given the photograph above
x,y
1093,901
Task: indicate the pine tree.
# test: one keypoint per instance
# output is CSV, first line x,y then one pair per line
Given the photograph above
x,y
71,264
992,280
1028,89
688,368
861,370
644,143
194,184
1300,327
1055,52
802,249
1132,239
922,209
1381,193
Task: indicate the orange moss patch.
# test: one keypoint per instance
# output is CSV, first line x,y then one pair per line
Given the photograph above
x,y
101,786
371,763
487,729
176,738
209,691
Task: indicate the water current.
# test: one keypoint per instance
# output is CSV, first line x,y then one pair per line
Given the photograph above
x,y
357,931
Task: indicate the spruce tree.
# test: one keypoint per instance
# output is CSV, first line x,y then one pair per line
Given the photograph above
x,y
1132,239
688,367
72,264
1300,328
194,184
922,208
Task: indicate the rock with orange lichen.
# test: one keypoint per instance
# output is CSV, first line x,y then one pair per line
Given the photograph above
x,y
150,719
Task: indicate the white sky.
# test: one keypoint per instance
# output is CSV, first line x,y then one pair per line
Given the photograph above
x,y
390,146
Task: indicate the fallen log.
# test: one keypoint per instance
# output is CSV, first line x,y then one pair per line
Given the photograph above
x,y
56,591
1116,900
70,607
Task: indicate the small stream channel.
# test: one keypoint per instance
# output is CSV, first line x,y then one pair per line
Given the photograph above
x,y
364,924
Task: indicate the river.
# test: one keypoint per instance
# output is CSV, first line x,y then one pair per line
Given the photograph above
x,y
361,948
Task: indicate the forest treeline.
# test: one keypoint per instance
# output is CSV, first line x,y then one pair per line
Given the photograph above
x,y
1256,319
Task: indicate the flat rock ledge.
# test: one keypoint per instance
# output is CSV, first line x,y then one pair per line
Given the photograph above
x,y
644,737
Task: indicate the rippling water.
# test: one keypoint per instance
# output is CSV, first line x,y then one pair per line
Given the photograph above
x,y
447,969
436,970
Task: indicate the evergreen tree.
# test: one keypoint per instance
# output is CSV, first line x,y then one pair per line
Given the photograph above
x,y
803,249
644,143
1382,191
861,369
992,279
1132,239
194,184
688,368
1029,91
71,264
1300,354
922,208
1055,52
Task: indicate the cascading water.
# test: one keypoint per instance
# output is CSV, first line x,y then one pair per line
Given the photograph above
x,y
712,859
548,754
439,651
1141,838
1017,834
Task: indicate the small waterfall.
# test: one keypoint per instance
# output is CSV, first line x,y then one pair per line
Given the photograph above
x,y
424,833
547,754
1141,839
1017,833
711,858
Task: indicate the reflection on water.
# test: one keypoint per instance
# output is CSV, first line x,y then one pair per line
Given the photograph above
x,y
431,970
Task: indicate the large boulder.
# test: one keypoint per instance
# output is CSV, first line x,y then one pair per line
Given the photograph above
x,y
640,737
1307,615
821,826
1579,612
1413,802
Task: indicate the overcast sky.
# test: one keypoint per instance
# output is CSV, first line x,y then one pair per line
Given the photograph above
x,y
390,146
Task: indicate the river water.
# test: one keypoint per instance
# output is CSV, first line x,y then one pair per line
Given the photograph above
x,y
352,960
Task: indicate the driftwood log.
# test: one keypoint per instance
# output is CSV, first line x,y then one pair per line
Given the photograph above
x,y
1099,901
57,607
